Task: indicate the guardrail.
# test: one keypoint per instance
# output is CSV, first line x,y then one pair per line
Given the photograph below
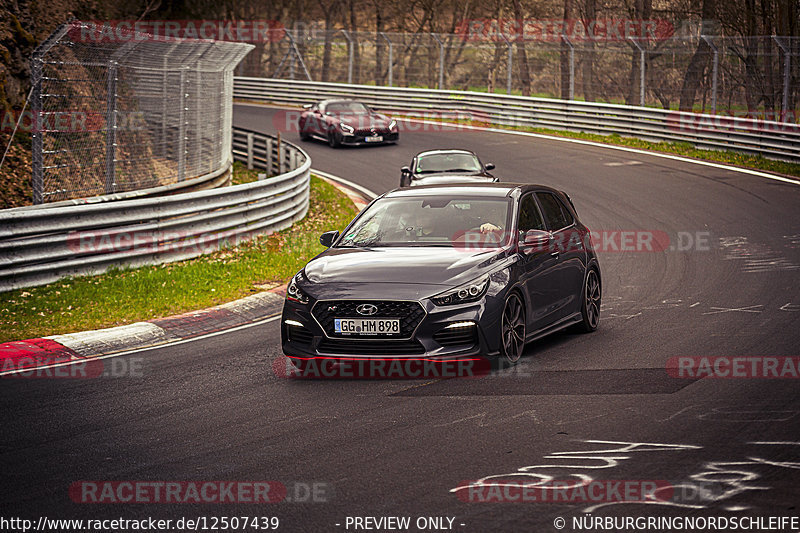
x,y
39,246
777,140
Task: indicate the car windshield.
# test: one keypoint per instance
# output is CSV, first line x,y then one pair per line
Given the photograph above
x,y
431,221
346,108
448,162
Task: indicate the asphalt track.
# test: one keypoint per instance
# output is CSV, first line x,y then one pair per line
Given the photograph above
x,y
213,409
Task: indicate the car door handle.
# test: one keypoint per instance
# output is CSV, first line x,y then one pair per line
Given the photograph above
x,y
554,254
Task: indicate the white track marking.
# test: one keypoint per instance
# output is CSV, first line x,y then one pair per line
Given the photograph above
x,y
363,190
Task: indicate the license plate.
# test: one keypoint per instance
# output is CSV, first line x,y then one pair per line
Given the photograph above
x,y
376,139
366,326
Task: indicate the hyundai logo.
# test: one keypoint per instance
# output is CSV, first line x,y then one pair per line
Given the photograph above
x,y
367,309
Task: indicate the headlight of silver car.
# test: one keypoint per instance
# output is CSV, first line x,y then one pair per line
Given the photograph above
x,y
468,292
347,128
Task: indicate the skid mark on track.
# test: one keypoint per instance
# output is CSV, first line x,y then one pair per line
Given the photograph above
x,y
755,257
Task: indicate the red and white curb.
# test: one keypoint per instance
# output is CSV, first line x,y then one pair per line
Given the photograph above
x,y
52,350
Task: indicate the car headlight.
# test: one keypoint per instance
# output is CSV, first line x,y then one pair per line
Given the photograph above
x,y
393,124
347,128
468,292
294,293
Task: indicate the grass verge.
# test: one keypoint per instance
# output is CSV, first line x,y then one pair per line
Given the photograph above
x,y
123,296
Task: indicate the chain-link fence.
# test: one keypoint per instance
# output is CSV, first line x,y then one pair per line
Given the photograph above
x,y
755,76
119,110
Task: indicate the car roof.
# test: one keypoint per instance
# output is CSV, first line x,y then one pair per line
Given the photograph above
x,y
445,151
494,190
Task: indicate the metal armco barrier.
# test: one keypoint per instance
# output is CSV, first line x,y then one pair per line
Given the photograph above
x,y
39,246
777,140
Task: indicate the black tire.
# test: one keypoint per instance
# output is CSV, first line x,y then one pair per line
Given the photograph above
x,y
512,330
590,307
304,136
334,140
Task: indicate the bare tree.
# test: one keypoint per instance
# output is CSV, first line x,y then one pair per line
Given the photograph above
x,y
524,72
698,62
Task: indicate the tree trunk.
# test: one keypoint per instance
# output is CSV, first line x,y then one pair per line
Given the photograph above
x,y
698,63
524,73
565,71
355,43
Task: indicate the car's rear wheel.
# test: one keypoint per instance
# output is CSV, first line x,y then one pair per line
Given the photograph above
x,y
333,139
590,309
512,329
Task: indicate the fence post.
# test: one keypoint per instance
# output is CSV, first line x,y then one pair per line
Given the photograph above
x,y
714,72
391,57
268,156
787,69
182,128
441,60
249,151
641,69
280,154
349,56
111,128
36,137
571,66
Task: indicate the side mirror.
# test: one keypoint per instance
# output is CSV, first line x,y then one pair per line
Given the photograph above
x,y
307,106
405,170
328,238
489,166
535,241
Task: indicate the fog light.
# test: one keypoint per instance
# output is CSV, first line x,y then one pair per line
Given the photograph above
x,y
465,324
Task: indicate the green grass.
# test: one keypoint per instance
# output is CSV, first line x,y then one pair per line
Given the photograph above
x,y
123,296
241,174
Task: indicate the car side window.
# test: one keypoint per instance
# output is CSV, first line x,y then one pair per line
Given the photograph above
x,y
556,214
529,216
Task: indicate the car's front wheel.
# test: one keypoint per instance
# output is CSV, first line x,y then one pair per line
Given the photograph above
x,y
334,140
512,329
590,309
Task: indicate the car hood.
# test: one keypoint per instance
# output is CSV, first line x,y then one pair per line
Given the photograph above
x,y
364,121
445,178
430,266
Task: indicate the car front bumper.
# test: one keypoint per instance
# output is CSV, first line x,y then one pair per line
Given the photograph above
x,y
476,334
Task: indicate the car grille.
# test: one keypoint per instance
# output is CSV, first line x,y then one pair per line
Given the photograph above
x,y
367,132
409,313
456,336
365,347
